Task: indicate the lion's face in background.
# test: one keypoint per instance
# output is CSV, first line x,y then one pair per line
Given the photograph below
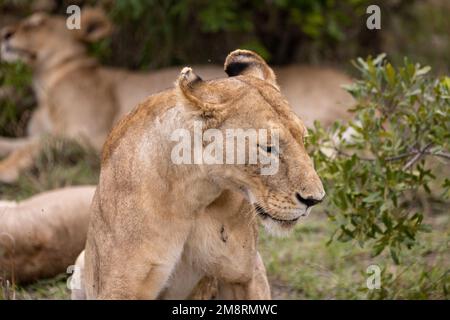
x,y
42,37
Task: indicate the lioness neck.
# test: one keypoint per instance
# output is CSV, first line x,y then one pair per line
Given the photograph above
x,y
56,66
196,190
138,153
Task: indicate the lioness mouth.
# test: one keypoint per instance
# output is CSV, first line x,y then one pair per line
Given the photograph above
x,y
20,51
264,214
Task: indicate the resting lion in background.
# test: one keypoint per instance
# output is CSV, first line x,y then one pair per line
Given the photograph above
x,y
41,236
158,228
78,98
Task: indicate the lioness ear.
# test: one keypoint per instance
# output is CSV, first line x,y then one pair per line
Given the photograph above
x,y
95,25
188,82
249,63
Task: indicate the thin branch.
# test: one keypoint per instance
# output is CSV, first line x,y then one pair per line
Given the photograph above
x,y
416,154
401,156
350,155
394,158
417,157
441,154
412,161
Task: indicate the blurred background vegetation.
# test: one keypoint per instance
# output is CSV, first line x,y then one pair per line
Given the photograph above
x,y
159,33
152,34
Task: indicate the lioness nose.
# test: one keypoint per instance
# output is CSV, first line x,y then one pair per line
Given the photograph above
x,y
309,201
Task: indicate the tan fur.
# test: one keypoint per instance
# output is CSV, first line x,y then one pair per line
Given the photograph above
x,y
157,228
78,98
33,245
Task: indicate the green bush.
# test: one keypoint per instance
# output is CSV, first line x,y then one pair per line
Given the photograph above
x,y
377,167
15,99
170,32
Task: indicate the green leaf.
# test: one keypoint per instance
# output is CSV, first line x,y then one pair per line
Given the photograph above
x,y
422,71
390,74
394,255
374,197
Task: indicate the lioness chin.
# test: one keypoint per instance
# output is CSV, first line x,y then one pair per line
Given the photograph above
x,y
158,228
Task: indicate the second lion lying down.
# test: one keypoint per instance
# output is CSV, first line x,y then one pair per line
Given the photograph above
x,y
158,228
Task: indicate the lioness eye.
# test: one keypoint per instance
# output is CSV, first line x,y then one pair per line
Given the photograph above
x,y
268,149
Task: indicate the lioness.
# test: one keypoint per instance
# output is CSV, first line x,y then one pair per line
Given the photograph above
x,y
78,98
157,228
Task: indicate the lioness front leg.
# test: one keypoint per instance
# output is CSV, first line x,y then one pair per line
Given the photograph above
x,y
21,158
132,275
256,289
8,145
136,263
128,275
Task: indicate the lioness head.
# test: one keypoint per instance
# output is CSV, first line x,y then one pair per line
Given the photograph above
x,y
250,99
43,38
